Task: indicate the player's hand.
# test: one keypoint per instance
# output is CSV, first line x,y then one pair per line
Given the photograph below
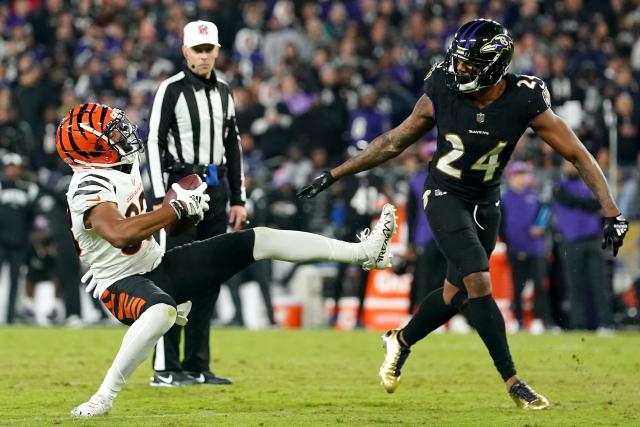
x,y
91,284
320,183
237,217
615,228
194,202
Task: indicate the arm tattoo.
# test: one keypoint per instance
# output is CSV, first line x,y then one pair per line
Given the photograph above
x,y
391,143
378,151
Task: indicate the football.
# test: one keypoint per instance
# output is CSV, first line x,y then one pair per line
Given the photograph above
x,y
189,182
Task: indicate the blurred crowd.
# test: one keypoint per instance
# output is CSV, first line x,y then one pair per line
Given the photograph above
x,y
313,82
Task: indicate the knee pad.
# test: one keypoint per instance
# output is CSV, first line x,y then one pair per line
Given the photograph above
x,y
162,316
166,301
183,311
459,300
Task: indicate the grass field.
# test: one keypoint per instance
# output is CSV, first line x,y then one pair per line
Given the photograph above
x,y
304,378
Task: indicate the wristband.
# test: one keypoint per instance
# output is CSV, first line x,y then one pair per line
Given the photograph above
x,y
177,207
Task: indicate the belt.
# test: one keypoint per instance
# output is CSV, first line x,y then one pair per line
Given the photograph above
x,y
188,168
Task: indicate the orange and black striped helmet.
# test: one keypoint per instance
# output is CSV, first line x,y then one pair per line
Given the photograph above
x,y
94,135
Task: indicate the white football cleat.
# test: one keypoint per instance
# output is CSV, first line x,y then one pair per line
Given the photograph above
x,y
96,406
376,243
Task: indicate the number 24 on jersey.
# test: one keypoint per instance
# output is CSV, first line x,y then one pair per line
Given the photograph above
x,y
488,162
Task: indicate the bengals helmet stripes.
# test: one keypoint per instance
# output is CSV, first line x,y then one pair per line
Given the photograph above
x,y
95,135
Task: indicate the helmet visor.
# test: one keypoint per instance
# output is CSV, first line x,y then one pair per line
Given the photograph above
x,y
465,69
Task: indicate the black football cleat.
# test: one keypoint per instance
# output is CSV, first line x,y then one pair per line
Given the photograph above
x,y
208,378
171,379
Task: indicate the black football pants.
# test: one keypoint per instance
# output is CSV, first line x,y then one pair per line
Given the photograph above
x,y
16,257
529,267
585,276
196,332
68,272
466,234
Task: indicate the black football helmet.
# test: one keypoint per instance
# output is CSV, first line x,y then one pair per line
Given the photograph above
x,y
486,47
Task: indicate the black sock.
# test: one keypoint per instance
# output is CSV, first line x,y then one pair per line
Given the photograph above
x,y
431,314
488,321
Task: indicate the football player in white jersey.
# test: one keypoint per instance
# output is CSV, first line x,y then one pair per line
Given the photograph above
x,y
139,284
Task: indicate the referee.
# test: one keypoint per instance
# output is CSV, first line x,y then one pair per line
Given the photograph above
x,y
193,129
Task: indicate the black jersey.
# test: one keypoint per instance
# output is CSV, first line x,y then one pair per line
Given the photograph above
x,y
475,144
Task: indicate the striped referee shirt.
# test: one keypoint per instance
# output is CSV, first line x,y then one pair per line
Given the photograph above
x,y
193,122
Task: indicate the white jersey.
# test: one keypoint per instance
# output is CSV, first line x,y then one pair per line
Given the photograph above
x,y
90,187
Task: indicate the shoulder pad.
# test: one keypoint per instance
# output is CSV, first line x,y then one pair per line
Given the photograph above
x,y
89,190
437,67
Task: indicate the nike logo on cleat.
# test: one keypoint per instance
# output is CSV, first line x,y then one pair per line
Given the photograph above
x,y
167,380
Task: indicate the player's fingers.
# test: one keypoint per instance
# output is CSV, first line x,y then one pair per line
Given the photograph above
x,y
86,276
96,293
615,249
202,187
610,242
238,223
304,193
176,187
206,197
233,219
604,242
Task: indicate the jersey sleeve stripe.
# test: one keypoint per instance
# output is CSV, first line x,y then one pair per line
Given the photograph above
x,y
105,179
85,192
93,175
96,183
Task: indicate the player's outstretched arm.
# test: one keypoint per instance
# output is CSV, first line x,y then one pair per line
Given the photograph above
x,y
555,132
391,143
386,146
122,232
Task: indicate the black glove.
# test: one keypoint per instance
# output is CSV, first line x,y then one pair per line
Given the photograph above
x,y
613,232
320,183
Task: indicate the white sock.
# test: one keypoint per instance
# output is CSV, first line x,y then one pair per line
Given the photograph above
x,y
136,346
298,246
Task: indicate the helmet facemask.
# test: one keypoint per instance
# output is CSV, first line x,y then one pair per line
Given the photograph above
x,y
482,73
120,136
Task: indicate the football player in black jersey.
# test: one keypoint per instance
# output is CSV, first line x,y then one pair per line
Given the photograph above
x,y
480,112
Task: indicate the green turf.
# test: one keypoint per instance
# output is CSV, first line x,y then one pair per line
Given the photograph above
x,y
303,378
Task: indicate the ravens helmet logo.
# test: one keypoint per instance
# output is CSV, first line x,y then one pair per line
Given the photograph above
x,y
498,44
